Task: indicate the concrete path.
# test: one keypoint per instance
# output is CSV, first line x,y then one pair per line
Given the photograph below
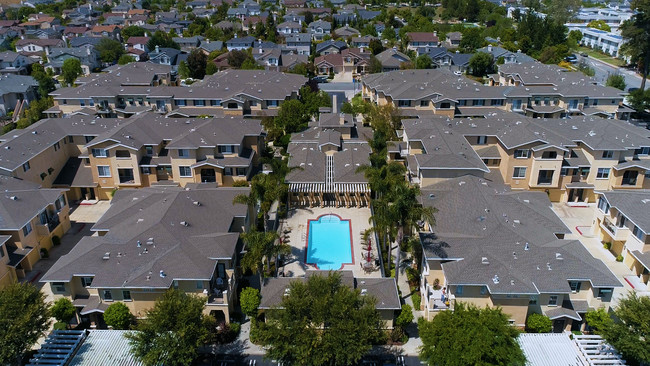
x,y
411,347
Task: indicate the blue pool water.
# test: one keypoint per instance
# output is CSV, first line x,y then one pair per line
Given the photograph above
x,y
329,244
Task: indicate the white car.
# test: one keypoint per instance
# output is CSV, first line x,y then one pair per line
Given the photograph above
x,y
458,73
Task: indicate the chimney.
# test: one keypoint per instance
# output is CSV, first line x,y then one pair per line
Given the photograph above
x,y
335,107
341,118
490,48
88,51
518,51
157,49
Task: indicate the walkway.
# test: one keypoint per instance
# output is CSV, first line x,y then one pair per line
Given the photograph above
x,y
411,347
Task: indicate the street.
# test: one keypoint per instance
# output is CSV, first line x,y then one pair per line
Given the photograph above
x,y
603,70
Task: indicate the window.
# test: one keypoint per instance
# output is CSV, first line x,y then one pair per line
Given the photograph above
x,y
103,171
533,300
108,295
272,103
643,151
27,229
483,290
445,105
227,171
92,102
175,283
602,292
145,170
82,102
100,153
126,295
481,140
497,102
603,205
199,103
185,171
42,217
252,103
148,150
60,203
180,102
552,300
549,155
462,103
71,139
424,103
403,103
573,104
183,153
479,102
547,101
522,153
122,154
637,232
226,149
65,101
621,221
199,285
215,102
88,138
516,105
459,290
608,154
58,287
57,146
519,172
603,173
240,171
26,166
575,286
86,281
564,172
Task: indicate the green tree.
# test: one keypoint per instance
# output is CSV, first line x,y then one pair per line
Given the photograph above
x,y
598,320
132,31
35,111
125,59
374,65
109,50
251,64
640,100
237,57
172,331
481,64
44,78
561,11
293,333
630,335
63,310
118,316
375,46
405,316
616,81
472,40
636,35
249,299
162,40
470,336
586,69
423,62
70,70
211,68
389,34
196,61
259,247
538,323
183,70
25,318
599,24
313,100
292,116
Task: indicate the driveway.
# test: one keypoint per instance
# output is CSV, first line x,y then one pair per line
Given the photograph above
x,y
580,221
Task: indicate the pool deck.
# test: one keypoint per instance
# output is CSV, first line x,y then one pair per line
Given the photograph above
x,y
298,222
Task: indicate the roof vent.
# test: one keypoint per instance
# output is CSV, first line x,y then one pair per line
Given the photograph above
x,y
558,256
185,223
196,203
514,255
8,147
527,246
512,282
526,201
107,256
150,241
162,274
484,260
364,291
34,132
495,279
287,291
516,221
14,198
548,265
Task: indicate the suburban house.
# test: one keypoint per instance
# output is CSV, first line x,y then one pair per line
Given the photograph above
x,y
31,217
319,29
330,46
392,59
287,28
142,240
242,43
139,43
37,47
350,60
422,39
16,92
452,39
299,42
346,32
507,56
384,290
496,247
363,41
13,63
89,59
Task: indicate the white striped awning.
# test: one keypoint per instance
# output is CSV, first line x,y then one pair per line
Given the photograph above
x,y
335,188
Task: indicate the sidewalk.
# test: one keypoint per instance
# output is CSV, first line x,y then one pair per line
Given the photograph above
x,y
411,347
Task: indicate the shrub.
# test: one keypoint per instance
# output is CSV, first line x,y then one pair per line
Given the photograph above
x,y
250,301
436,284
44,253
56,240
60,326
118,316
235,328
598,320
397,335
405,316
225,334
538,323
254,335
240,183
416,300
607,245
619,258
413,277
63,310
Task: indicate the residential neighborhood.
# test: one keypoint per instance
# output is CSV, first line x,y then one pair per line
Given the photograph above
x,y
306,182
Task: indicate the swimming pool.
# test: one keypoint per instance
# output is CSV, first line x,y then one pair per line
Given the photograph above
x,y
329,242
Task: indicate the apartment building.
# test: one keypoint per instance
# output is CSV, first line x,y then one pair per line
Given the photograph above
x,y
498,247
233,92
439,91
622,220
327,156
29,218
152,240
384,290
569,159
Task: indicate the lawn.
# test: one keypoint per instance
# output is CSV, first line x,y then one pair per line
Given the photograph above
x,y
601,56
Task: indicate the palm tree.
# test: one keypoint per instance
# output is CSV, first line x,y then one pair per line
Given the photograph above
x,y
405,211
259,246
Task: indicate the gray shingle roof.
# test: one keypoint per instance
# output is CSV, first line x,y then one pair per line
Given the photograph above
x,y
633,204
22,201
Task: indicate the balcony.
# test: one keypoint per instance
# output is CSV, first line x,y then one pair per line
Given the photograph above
x,y
629,181
617,233
438,302
47,228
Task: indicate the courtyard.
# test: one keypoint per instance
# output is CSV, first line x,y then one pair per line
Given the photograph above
x,y
332,241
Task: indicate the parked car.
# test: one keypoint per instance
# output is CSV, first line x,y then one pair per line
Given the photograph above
x,y
458,73
584,54
320,79
572,59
